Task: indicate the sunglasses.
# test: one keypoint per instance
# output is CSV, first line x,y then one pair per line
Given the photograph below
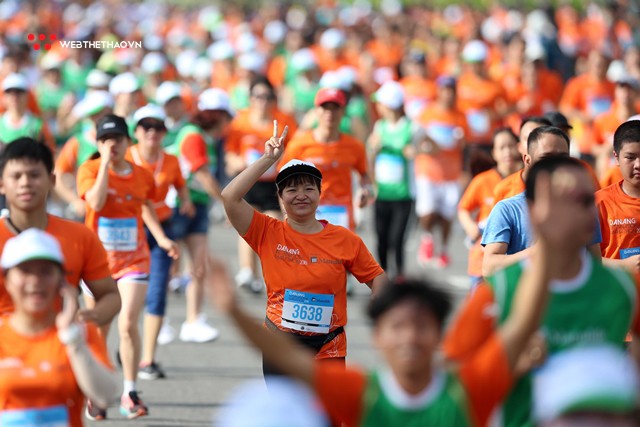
x,y
148,125
263,96
14,91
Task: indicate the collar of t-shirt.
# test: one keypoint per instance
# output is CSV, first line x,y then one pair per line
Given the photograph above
x,y
569,285
403,400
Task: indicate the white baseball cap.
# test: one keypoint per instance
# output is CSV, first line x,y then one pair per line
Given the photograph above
x,y
149,111
98,79
50,61
202,68
124,83
304,60
595,379
31,244
333,80
153,62
332,39
252,61
94,102
14,81
215,99
246,42
475,51
390,94
275,31
220,50
167,91
185,61
252,404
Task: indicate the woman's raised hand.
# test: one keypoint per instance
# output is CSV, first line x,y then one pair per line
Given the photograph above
x,y
274,147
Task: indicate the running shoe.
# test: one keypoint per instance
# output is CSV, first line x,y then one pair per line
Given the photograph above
x,y
152,371
443,261
94,413
131,406
256,286
244,277
199,331
425,251
167,333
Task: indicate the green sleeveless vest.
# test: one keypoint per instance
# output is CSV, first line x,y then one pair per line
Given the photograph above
x,y
30,127
450,407
86,147
598,311
198,195
391,166
304,94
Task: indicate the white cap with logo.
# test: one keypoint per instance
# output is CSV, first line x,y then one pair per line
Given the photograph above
x,y
32,244
390,94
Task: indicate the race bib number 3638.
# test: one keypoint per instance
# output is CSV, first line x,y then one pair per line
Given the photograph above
x,y
307,312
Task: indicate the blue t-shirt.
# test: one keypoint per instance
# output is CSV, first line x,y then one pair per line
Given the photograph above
x,y
508,223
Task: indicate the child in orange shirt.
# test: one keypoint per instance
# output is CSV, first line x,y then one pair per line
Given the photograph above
x,y
118,195
49,363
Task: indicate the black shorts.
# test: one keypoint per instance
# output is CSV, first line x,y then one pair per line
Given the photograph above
x,y
263,196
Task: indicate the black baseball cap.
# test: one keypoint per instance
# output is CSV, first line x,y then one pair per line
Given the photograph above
x,y
111,125
558,120
297,167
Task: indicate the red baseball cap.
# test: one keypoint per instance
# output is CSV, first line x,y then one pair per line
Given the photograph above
x,y
330,95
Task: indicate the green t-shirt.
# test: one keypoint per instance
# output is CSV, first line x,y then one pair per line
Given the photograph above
x,y
304,94
87,145
30,126
392,169
448,405
596,307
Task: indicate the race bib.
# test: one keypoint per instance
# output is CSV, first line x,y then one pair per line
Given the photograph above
x,y
334,214
479,122
306,312
443,135
55,416
598,106
629,252
389,169
118,234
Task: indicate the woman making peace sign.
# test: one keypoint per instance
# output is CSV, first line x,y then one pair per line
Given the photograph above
x,y
304,261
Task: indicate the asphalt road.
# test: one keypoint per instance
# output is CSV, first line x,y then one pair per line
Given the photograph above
x,y
201,376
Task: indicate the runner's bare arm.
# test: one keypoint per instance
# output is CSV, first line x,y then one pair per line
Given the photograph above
x,y
278,349
210,184
469,225
239,212
495,257
96,196
151,221
377,283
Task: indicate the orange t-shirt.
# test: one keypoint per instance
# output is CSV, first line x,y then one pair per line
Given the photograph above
x,y
587,95
277,70
247,141
314,263
68,157
35,372
486,379
166,174
477,99
418,92
447,128
619,216
479,197
604,126
336,160
84,256
385,54
119,224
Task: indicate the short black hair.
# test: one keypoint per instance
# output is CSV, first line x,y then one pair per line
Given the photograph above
x,y
626,132
297,179
27,149
424,292
262,80
542,121
548,164
504,129
537,133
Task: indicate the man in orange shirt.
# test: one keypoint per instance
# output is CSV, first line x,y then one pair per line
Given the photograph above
x,y
619,204
438,170
336,155
605,124
586,96
481,99
419,90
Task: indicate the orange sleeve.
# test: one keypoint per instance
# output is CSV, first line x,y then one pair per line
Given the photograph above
x,y
361,165
194,149
257,230
470,200
277,70
95,266
364,266
232,142
341,391
570,97
32,103
472,326
86,178
487,379
97,345
66,161
290,153
178,179
500,192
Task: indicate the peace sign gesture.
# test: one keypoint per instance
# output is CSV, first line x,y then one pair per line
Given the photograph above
x,y
274,147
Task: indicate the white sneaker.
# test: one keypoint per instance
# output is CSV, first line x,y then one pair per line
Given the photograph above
x,y
167,333
198,331
244,277
256,286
